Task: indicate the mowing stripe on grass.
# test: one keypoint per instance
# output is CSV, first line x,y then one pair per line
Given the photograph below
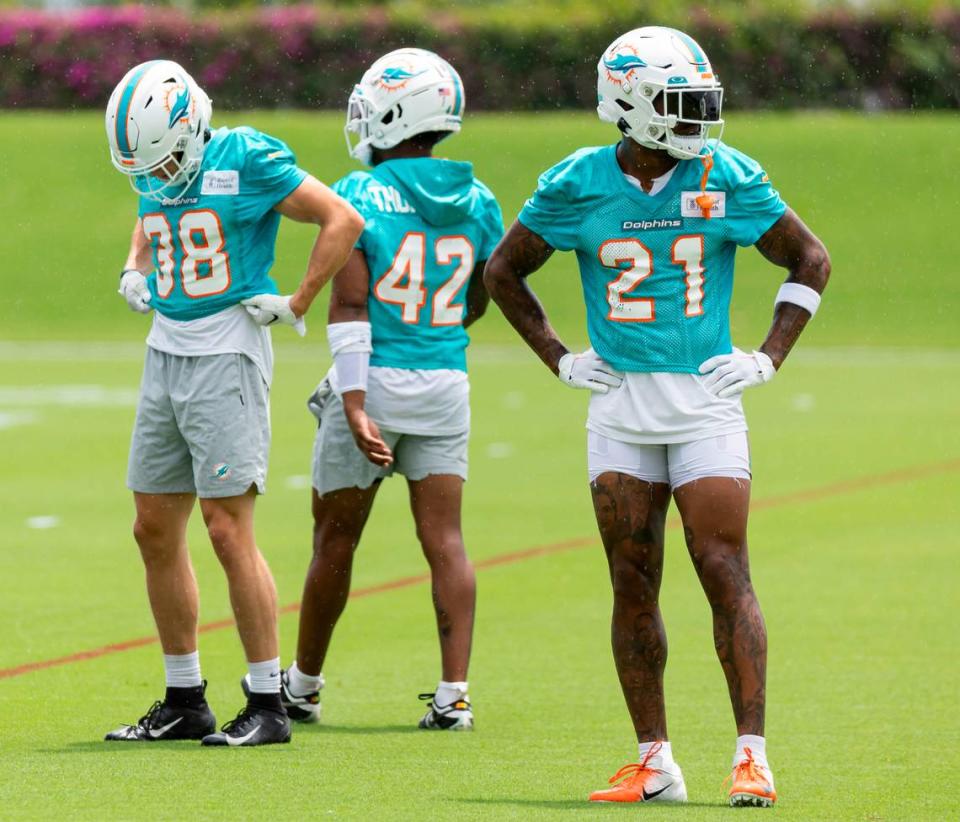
x,y
87,351
781,500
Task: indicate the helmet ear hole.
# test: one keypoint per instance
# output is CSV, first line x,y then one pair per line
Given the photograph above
x,y
623,125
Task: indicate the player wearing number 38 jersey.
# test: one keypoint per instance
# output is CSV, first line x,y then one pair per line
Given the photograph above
x,y
655,221
397,397
202,248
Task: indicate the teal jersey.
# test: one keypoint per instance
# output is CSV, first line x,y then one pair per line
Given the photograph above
x,y
428,223
214,245
657,274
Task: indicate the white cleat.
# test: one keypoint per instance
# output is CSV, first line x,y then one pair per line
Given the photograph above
x,y
457,716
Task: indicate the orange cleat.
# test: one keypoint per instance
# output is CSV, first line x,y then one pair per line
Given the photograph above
x,y
648,781
752,784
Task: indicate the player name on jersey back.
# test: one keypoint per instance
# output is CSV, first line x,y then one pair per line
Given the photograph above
x,y
389,200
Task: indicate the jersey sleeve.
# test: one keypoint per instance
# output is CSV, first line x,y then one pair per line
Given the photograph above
x,y
551,212
757,204
270,173
351,189
491,225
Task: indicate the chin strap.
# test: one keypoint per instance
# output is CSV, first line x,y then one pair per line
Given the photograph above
x,y
704,200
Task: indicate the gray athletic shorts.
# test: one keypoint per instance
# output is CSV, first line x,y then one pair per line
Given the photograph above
x,y
202,427
338,463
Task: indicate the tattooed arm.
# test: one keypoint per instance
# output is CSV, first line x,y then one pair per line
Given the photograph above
x,y
791,245
519,254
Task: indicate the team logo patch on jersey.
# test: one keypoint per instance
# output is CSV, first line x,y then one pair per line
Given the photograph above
x,y
690,208
220,182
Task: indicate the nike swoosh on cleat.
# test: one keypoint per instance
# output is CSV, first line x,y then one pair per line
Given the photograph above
x,y
275,318
156,733
239,740
648,796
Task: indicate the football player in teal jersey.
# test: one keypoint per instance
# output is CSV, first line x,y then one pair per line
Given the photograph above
x,y
200,257
655,221
397,396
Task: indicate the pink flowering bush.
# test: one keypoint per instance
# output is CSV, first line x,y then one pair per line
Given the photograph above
x,y
310,56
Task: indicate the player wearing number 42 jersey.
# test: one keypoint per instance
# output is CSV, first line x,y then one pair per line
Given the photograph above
x,y
655,221
397,397
202,248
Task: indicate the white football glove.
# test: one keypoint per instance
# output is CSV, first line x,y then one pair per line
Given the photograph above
x,y
729,374
270,309
587,370
133,288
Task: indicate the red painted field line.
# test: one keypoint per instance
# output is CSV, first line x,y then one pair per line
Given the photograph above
x,y
810,495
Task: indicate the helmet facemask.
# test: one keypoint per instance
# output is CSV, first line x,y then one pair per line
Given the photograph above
x,y
359,116
689,119
170,177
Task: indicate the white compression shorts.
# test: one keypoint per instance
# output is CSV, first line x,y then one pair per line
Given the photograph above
x,y
727,455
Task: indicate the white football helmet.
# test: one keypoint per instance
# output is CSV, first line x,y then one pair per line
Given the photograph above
x,y
405,92
157,121
653,79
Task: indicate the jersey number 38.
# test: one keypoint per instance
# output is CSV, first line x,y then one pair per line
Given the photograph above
x,y
204,265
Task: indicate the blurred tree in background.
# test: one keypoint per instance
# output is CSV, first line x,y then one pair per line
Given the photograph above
x,y
512,55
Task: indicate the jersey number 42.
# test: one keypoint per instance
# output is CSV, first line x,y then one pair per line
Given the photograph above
x,y
403,283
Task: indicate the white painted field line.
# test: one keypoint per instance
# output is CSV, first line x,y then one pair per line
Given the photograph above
x,y
14,419
43,523
66,395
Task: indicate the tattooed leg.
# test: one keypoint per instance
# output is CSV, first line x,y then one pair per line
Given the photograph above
x,y
714,513
630,515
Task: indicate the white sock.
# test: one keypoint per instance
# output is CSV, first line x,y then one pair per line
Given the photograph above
x,y
301,684
265,676
449,692
665,754
183,670
757,746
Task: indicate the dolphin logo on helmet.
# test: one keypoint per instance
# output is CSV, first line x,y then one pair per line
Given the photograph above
x,y
625,63
180,106
396,77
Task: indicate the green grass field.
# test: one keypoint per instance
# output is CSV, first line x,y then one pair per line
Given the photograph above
x,y
856,452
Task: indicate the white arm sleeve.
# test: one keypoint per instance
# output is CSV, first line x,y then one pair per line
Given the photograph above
x,y
350,345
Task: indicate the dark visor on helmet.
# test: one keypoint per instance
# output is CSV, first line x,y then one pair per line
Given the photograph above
x,y
687,104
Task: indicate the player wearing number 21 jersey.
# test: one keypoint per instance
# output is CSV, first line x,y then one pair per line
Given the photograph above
x,y
200,258
655,221
397,397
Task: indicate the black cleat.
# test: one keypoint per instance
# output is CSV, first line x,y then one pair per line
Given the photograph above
x,y
457,716
165,721
252,726
304,708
